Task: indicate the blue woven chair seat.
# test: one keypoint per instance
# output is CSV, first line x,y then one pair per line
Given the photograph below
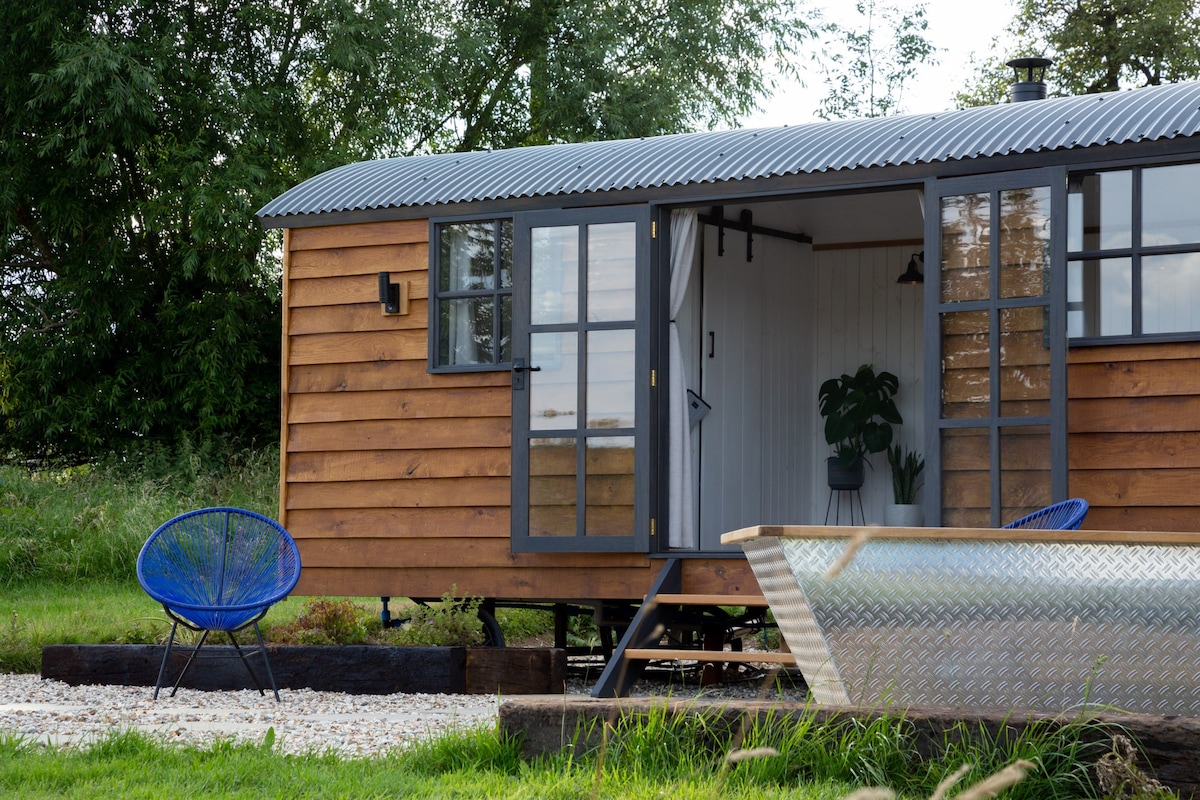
x,y
1065,516
218,569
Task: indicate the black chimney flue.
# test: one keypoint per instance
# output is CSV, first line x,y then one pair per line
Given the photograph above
x,y
1030,83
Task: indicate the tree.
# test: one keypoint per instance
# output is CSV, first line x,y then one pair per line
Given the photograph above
x,y
865,69
139,299
1097,46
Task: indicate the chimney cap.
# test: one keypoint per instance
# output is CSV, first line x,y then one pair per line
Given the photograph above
x,y
1029,64
1030,79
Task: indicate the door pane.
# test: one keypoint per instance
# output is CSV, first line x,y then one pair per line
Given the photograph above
x,y
610,379
1025,242
611,258
554,388
552,487
1024,471
966,349
554,275
1024,362
610,487
966,247
966,478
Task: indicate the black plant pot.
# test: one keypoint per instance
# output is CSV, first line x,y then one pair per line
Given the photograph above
x,y
843,479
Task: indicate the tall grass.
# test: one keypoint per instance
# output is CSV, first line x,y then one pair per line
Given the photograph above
x,y
87,523
652,757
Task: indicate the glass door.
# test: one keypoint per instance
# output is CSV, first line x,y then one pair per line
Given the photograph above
x,y
581,381
996,315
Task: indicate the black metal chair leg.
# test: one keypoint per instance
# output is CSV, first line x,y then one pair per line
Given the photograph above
x,y
267,662
187,666
237,648
162,669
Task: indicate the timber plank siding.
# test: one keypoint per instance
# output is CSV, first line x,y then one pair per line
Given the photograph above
x,y
1134,435
395,481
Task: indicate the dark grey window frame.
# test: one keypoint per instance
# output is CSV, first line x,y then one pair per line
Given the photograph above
x,y
644,430
1135,253
1056,421
435,295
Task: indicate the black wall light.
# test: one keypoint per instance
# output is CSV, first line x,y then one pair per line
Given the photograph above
x,y
912,275
393,296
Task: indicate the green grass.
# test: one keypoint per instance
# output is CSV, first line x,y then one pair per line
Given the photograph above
x,y
88,523
656,756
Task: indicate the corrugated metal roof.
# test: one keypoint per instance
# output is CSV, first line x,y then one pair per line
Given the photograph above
x,y
1160,112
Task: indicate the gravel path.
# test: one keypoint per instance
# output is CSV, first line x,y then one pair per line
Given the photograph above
x,y
352,725
59,714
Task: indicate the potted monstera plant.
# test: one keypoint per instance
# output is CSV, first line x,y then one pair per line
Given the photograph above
x,y
859,412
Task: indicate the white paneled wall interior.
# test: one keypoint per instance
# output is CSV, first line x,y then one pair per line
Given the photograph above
x,y
762,336
864,317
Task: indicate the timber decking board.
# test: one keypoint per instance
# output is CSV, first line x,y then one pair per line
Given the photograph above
x,y
384,375
404,434
713,656
360,235
402,404
412,493
372,465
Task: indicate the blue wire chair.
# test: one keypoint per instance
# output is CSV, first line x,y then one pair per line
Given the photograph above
x,y
1065,516
218,569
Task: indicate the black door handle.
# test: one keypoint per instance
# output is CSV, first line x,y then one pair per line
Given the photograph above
x,y
519,369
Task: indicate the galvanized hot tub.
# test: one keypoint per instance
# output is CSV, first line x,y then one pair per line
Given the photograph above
x,y
986,618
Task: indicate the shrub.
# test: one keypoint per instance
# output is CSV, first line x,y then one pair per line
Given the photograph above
x,y
450,623
326,620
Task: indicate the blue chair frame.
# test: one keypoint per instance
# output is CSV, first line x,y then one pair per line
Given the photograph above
x,y
1065,516
218,570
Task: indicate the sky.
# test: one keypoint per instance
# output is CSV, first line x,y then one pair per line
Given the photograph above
x,y
957,27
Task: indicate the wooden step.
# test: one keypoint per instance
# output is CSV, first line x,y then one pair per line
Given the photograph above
x,y
730,656
750,601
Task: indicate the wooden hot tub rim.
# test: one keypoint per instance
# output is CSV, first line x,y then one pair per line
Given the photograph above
x,y
962,534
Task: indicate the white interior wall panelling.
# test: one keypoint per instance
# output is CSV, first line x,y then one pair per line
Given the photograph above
x,y
863,316
755,441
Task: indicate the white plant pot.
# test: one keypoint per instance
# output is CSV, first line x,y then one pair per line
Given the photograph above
x,y
903,516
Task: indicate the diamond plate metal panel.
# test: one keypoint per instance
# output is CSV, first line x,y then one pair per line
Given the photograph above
x,y
990,624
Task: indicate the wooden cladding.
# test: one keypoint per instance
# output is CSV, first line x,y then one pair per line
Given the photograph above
x,y
1134,435
398,482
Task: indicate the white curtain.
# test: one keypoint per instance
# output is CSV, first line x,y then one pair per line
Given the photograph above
x,y
681,522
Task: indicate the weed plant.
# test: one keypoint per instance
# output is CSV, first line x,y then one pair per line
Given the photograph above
x,y
448,623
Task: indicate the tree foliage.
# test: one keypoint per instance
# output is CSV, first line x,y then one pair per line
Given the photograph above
x,y
1097,46
139,299
865,67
